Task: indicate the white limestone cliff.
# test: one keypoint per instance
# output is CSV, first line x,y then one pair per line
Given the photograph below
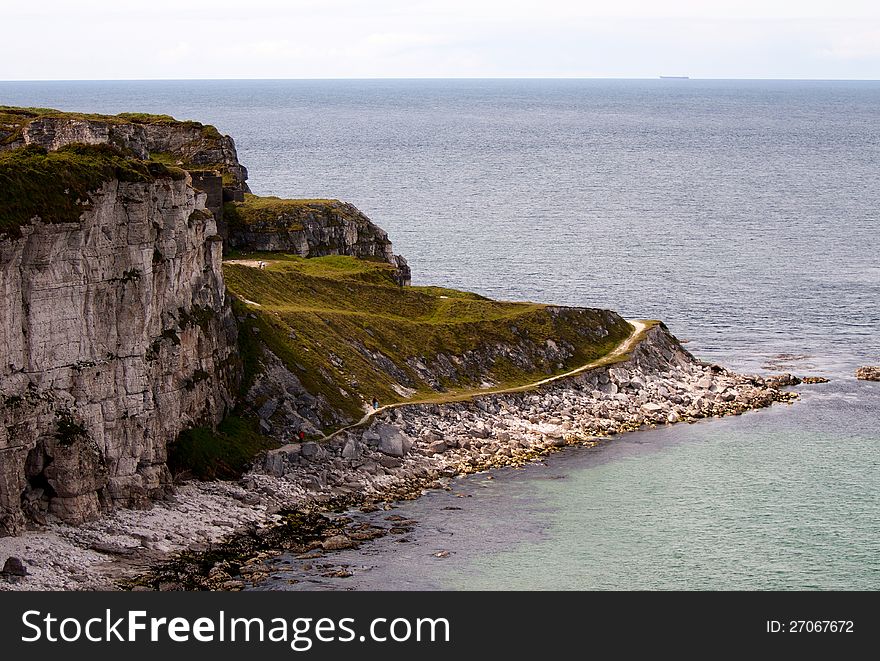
x,y
115,334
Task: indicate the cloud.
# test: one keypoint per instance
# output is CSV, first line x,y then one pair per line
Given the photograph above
x,y
860,45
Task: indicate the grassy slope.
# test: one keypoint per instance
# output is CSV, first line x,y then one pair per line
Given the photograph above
x,y
313,313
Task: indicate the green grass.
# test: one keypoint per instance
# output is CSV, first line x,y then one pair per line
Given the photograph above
x,y
208,132
146,118
166,158
11,123
222,454
274,212
13,119
56,186
320,315
25,114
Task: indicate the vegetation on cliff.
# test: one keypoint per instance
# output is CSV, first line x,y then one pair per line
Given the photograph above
x,y
266,211
268,214
222,454
56,186
14,119
190,145
349,333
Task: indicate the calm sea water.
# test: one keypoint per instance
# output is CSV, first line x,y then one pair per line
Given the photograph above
x,y
743,213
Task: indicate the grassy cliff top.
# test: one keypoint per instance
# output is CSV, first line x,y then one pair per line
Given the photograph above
x,y
257,210
56,185
349,333
26,114
194,146
13,120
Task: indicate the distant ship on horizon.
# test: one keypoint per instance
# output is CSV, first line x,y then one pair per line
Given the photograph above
x,y
675,77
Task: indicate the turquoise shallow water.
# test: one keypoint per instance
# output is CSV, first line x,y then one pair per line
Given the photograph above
x,y
744,505
768,500
743,213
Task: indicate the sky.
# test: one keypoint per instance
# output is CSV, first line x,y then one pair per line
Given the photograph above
x,y
163,39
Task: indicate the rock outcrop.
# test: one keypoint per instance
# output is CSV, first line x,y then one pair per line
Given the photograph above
x,y
116,334
310,228
868,373
201,149
284,406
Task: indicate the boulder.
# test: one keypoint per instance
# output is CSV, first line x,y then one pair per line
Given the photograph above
x,y
389,462
782,380
350,450
371,438
337,543
705,383
268,409
429,436
392,441
274,464
312,451
619,376
480,430
436,447
609,388
868,373
14,567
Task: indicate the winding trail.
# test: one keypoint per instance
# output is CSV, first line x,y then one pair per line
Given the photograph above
x,y
639,327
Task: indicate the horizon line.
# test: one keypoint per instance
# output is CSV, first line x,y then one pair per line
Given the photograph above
x,y
387,78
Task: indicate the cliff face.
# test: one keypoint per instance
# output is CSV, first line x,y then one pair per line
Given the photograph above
x,y
116,334
310,228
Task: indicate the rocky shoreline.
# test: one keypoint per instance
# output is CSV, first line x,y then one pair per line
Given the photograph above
x,y
219,535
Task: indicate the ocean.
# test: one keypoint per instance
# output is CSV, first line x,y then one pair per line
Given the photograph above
x,y
742,213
